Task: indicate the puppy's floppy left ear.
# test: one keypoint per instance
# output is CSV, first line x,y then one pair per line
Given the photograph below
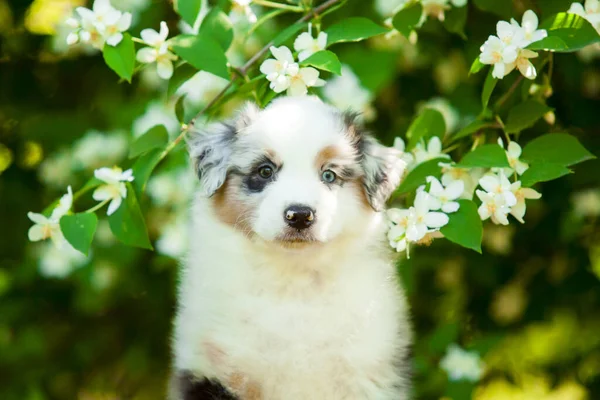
x,y
383,169
212,147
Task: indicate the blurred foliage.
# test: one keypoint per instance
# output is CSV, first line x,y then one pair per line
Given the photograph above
x,y
99,327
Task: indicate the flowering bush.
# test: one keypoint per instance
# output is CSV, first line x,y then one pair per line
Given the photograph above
x,y
469,174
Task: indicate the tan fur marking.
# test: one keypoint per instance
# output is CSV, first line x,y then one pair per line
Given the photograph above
x,y
228,206
328,154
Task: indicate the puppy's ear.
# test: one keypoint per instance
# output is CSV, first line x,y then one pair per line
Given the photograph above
x,y
211,148
383,169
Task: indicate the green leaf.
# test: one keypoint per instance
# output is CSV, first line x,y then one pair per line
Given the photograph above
x,y
461,389
566,33
465,227
325,60
181,74
407,19
188,10
471,128
418,176
157,136
486,156
127,223
287,33
143,167
353,29
217,25
455,21
488,88
180,110
524,115
428,124
558,148
202,52
543,172
121,58
79,230
476,66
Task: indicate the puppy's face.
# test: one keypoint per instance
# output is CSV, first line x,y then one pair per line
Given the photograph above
x,y
298,172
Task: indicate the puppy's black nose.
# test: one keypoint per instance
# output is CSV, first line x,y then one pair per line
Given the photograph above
x,y
299,217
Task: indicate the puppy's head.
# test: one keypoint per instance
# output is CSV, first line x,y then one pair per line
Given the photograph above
x,y
295,173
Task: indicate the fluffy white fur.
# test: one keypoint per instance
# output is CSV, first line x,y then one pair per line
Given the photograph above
x,y
325,320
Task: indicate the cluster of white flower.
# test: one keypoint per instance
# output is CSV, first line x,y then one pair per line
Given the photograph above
x,y
102,24
427,216
499,196
114,190
460,364
284,73
590,11
157,51
507,51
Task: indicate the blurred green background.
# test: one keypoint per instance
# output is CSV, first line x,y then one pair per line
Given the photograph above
x,y
98,327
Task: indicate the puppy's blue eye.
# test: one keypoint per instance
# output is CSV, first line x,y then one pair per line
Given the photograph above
x,y
328,176
265,172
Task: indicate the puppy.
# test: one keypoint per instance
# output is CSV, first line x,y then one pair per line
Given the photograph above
x,y
289,290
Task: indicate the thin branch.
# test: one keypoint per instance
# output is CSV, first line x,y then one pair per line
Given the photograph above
x,y
510,91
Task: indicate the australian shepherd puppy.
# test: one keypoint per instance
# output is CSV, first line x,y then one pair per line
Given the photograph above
x,y
289,290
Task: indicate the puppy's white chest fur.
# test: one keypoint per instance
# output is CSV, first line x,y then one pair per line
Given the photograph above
x,y
326,324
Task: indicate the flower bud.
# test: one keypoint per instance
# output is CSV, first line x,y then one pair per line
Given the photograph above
x,y
72,38
550,117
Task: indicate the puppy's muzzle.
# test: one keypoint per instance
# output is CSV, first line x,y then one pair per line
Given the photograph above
x,y
299,216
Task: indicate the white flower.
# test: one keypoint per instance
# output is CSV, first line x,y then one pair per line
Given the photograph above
x,y
306,45
511,34
45,228
495,52
114,190
111,29
518,210
460,364
243,7
433,150
421,220
278,70
469,178
498,184
48,227
158,51
444,197
346,93
530,30
102,24
591,12
493,206
523,64
57,262
512,154
302,80
397,233
407,157
389,7
96,149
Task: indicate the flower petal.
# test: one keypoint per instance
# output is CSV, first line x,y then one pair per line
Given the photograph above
x,y
36,233
38,218
114,205
282,53
450,207
115,39
151,37
436,219
104,192
164,68
303,41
